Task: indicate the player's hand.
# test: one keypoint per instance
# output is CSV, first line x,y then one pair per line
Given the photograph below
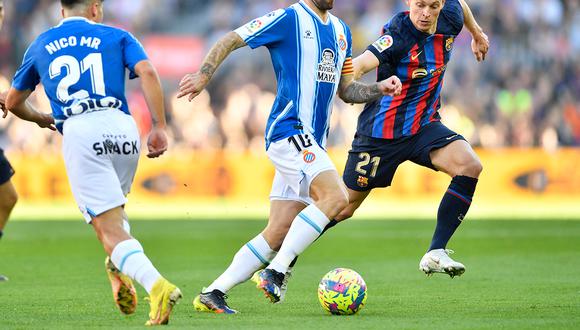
x,y
480,46
192,84
3,104
391,86
45,120
157,142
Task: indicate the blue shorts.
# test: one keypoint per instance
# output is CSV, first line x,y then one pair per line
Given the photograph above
x,y
372,162
6,170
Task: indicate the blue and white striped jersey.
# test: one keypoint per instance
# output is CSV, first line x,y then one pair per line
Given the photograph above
x,y
309,57
82,67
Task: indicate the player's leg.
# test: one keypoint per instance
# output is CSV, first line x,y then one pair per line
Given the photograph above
x,y
460,162
355,200
330,198
450,153
8,196
253,256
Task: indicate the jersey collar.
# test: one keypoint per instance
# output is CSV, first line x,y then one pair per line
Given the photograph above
x,y
308,9
73,19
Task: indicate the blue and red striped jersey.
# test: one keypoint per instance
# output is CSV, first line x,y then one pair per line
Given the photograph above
x,y
419,60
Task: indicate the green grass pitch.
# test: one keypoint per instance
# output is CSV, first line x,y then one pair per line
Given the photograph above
x,y
520,275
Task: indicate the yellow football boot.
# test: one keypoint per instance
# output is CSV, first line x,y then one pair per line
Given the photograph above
x,y
162,298
124,292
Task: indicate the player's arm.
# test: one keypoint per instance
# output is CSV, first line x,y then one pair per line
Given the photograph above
x,y
480,41
16,102
151,86
352,91
364,63
192,84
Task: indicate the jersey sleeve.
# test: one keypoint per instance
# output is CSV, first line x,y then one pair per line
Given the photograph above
x,y
133,53
27,77
267,29
348,67
452,14
383,48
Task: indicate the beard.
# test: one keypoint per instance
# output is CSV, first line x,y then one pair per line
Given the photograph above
x,y
324,4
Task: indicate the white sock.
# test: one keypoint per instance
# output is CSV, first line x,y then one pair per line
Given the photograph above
x,y
255,255
129,258
305,229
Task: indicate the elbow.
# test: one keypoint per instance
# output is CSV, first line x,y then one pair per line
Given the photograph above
x,y
146,71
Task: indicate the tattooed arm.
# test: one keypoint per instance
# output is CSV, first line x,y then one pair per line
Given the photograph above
x,y
352,91
192,84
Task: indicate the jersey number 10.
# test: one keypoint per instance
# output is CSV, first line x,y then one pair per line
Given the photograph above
x,y
92,63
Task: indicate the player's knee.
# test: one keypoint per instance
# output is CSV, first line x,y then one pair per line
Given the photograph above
x,y
472,168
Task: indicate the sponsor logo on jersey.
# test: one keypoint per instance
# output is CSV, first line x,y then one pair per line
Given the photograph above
x,y
326,67
438,71
449,43
362,181
419,73
342,42
385,42
108,147
254,25
308,35
308,156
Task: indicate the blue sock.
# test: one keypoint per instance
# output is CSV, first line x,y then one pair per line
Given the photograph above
x,y
452,210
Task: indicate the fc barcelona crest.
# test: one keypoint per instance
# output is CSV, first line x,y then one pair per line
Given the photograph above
x,y
362,181
449,43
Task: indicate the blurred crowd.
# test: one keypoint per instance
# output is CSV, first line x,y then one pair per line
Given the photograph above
x,y
526,93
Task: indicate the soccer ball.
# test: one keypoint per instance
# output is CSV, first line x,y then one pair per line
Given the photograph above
x,y
342,291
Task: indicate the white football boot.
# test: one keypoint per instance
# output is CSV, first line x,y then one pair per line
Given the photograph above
x,y
438,261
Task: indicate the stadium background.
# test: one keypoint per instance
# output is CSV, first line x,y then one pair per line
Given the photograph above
x,y
520,109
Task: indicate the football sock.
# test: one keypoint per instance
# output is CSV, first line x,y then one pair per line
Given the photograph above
x,y
1,233
129,258
452,210
255,255
331,224
305,229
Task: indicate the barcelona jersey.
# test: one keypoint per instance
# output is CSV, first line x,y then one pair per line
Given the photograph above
x,y
419,60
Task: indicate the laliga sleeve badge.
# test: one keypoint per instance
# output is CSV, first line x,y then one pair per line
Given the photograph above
x,y
362,181
308,156
385,42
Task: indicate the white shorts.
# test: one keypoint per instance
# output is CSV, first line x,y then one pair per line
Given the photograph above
x,y
298,161
101,152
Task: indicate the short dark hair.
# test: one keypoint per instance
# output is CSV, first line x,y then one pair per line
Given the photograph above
x,y
72,3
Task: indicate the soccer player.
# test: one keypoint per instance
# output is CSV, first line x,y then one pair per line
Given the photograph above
x,y
311,54
82,65
8,196
416,46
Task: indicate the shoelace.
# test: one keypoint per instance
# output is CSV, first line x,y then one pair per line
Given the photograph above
x,y
221,297
449,251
